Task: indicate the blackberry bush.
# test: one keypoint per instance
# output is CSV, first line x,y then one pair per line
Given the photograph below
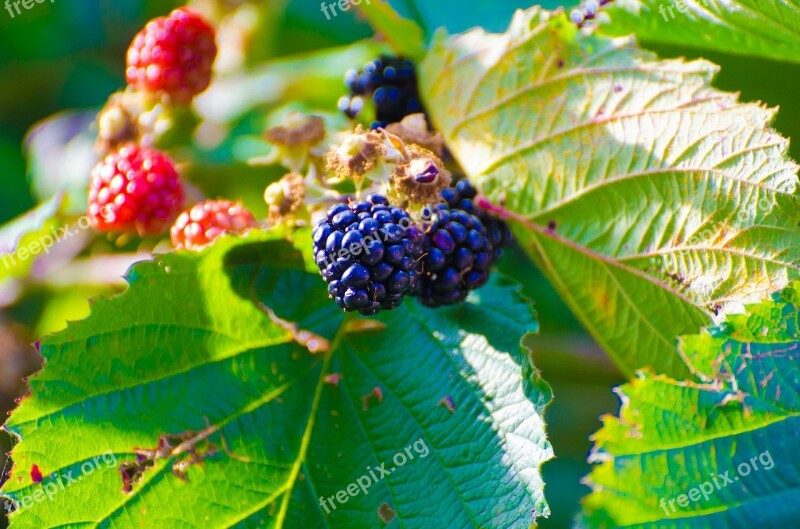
x,y
367,252
655,204
391,83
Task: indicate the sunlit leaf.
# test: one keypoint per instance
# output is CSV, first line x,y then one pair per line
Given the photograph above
x,y
719,454
651,200
271,399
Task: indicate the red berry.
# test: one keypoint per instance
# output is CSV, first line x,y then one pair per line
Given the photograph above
x,y
135,190
173,54
209,220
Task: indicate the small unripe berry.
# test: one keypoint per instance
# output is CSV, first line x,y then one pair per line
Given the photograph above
x,y
205,222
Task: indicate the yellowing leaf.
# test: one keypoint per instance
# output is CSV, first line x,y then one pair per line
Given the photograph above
x,y
651,200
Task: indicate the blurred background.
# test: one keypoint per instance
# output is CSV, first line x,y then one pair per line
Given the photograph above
x,y
66,58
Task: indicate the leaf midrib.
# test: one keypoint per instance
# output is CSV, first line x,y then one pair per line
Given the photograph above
x,y
205,362
597,256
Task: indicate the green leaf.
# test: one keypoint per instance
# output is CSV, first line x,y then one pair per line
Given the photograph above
x,y
27,236
741,422
648,198
210,346
404,35
742,27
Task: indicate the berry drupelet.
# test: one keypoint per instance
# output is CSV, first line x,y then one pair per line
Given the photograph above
x,y
367,252
462,196
457,255
391,82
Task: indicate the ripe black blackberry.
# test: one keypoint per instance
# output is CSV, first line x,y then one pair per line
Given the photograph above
x,y
462,196
391,82
367,252
457,254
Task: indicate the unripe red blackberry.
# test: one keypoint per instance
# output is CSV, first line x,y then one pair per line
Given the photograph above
x,y
367,252
135,190
173,55
203,223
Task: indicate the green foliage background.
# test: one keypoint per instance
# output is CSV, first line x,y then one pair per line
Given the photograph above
x,y
70,55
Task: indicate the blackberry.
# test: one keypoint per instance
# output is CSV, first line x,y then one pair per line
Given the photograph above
x,y
391,82
462,196
456,258
368,253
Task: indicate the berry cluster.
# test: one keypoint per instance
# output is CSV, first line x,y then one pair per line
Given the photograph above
x,y
136,188
367,252
371,254
391,82
587,11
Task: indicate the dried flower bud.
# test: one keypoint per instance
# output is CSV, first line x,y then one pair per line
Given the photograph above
x,y
297,130
131,117
359,153
422,177
294,140
285,197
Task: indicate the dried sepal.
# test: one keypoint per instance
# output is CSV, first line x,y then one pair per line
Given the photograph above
x,y
293,141
360,153
413,129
